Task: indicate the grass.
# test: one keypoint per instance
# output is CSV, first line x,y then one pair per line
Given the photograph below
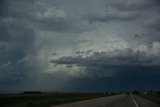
x,y
44,100
152,97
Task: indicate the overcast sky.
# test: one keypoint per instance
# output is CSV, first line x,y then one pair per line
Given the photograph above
x,y
79,45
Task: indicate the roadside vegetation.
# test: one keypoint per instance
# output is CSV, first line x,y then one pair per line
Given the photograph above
x,y
32,99
151,95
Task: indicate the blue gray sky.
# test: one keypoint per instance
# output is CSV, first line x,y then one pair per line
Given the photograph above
x,y
79,45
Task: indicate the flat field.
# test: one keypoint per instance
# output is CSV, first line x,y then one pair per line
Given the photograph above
x,y
152,97
44,99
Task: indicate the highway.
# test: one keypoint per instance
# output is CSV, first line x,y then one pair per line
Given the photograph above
x,y
113,101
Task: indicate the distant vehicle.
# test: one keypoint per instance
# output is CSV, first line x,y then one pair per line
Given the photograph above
x,y
127,93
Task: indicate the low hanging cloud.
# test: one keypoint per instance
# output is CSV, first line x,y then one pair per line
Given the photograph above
x,y
101,61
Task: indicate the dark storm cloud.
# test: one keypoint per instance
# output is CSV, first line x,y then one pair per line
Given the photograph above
x,y
129,5
105,17
117,70
18,20
15,43
154,24
114,58
2,2
33,32
123,10
127,78
40,15
4,34
110,63
29,10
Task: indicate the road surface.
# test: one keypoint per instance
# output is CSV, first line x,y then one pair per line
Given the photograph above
x,y
113,101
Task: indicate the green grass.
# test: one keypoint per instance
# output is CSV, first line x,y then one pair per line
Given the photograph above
x,y
44,100
152,97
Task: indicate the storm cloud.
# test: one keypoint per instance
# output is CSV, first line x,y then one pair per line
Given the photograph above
x,y
97,44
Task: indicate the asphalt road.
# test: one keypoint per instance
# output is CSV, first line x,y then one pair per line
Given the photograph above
x,y
113,101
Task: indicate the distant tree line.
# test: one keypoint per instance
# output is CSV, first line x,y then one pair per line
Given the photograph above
x,y
145,92
33,92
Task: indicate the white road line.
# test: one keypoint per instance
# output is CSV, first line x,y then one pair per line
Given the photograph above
x,y
134,101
